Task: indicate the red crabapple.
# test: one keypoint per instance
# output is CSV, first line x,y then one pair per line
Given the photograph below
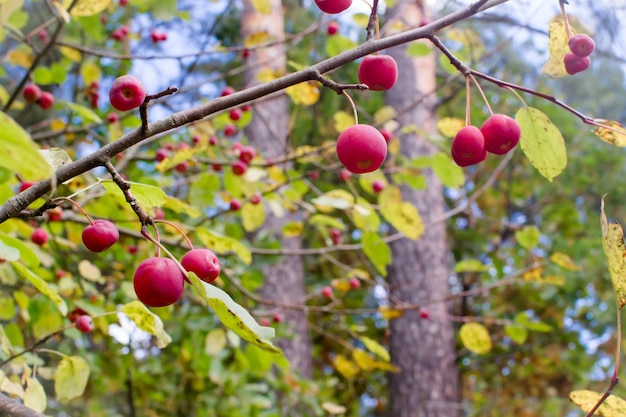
x,y
361,148
182,167
468,146
255,198
100,235
25,185
344,175
127,92
31,93
239,168
228,90
39,236
160,155
581,45
354,283
203,263
378,186
112,117
386,134
55,214
424,314
501,133
335,236
327,292
213,141
247,154
235,205
46,100
158,282
378,72
235,114
85,324
575,64
333,6
230,130
332,28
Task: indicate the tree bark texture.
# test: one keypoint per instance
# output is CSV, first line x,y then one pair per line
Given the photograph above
x,y
13,408
268,133
427,385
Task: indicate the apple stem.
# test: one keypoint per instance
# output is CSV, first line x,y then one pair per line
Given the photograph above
x,y
467,101
160,247
180,230
89,219
482,93
356,115
568,29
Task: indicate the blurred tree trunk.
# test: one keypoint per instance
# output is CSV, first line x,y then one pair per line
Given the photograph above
x,y
268,132
423,349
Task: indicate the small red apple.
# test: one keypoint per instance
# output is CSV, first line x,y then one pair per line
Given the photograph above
x,y
378,72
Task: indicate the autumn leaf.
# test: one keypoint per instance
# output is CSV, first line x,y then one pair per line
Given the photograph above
x,y
615,251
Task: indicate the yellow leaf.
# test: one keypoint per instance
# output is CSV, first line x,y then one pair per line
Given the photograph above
x,y
389,313
90,71
363,360
70,378
262,6
215,341
401,214
612,132
267,75
564,261
253,216
342,120
384,114
35,396
256,38
475,337
147,321
586,400
332,408
340,284
533,275
558,47
20,58
219,243
345,367
364,216
90,272
334,199
293,229
450,126
615,251
376,348
10,387
87,7
554,280
306,93
71,54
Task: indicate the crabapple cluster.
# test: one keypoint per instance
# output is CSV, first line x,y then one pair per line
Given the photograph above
x,y
498,135
33,94
577,60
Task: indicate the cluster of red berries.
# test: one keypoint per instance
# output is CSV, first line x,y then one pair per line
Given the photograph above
x,y
577,60
157,36
159,282
120,33
33,94
498,135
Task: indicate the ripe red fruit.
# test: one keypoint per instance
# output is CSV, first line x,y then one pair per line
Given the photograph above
x,y
203,263
159,214
247,154
157,36
46,100
160,155
344,174
235,205
55,214
212,141
195,139
276,318
112,117
25,185
235,114
158,282
333,6
123,2
245,107
264,321
314,175
501,133
581,45
335,236
43,36
575,64
245,53
182,167
126,93
75,314
31,93
378,186
255,198
239,167
132,249
424,314
378,72
327,292
85,324
100,235
230,130
218,167
387,134
354,283
39,236
361,148
228,90
119,34
332,28
468,146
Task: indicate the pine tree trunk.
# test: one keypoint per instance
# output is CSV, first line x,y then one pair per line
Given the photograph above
x,y
268,132
423,349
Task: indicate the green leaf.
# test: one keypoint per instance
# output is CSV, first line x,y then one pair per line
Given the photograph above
x,y
19,153
613,406
400,214
376,348
528,237
470,265
222,244
87,7
418,49
8,253
26,255
70,378
377,251
203,189
147,321
179,206
85,113
56,157
252,216
35,396
523,320
146,195
234,316
475,337
42,286
337,44
615,252
450,174
542,142
7,308
324,220
518,334
364,216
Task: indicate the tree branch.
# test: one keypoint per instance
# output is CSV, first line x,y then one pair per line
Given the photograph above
x,y
13,408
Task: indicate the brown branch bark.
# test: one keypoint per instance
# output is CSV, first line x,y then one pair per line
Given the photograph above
x,y
13,206
13,408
